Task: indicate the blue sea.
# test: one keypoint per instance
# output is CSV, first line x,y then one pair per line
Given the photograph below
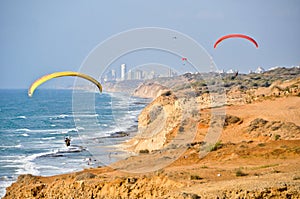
x,y
32,131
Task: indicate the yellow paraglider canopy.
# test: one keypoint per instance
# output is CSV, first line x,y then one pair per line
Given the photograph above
x,y
61,74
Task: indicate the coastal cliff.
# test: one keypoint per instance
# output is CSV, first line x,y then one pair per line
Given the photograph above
x,y
257,155
156,123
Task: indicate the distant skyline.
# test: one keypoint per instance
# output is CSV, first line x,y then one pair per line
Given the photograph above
x,y
40,37
141,72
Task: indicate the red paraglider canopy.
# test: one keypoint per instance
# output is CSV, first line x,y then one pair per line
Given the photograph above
x,y
235,36
184,59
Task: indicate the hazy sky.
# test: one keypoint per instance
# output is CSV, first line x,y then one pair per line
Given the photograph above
x,y
38,37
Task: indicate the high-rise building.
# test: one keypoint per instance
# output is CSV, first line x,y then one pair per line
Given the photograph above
x,y
123,72
138,74
170,72
113,74
130,75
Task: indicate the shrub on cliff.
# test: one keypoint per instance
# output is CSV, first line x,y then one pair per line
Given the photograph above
x,y
144,151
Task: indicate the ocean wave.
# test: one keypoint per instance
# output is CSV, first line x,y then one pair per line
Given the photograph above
x,y
6,178
61,152
12,156
28,166
3,185
23,130
14,162
77,115
48,167
11,146
48,138
61,116
69,131
72,149
10,165
79,128
85,115
55,133
21,117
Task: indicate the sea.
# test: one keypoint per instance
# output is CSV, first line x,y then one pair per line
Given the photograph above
x,y
32,131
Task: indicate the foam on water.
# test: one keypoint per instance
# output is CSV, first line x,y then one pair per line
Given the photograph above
x,y
69,130
87,115
23,130
21,117
27,166
5,182
51,131
10,146
48,138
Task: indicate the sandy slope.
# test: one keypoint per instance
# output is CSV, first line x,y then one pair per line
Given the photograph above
x,y
286,110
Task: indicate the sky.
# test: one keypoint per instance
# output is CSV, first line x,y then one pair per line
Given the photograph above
x,y
38,37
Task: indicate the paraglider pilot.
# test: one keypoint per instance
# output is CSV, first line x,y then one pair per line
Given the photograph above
x,y
67,141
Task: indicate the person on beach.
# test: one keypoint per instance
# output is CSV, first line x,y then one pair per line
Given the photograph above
x,y
68,141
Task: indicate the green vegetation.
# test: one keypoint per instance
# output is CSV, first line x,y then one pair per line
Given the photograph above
x,y
239,173
160,172
215,146
275,171
195,177
276,137
261,144
144,151
296,178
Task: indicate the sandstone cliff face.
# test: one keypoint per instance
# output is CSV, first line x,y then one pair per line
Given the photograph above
x,y
238,91
157,123
88,185
186,179
149,90
127,86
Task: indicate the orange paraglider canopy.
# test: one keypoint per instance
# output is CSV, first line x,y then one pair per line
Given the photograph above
x,y
235,36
